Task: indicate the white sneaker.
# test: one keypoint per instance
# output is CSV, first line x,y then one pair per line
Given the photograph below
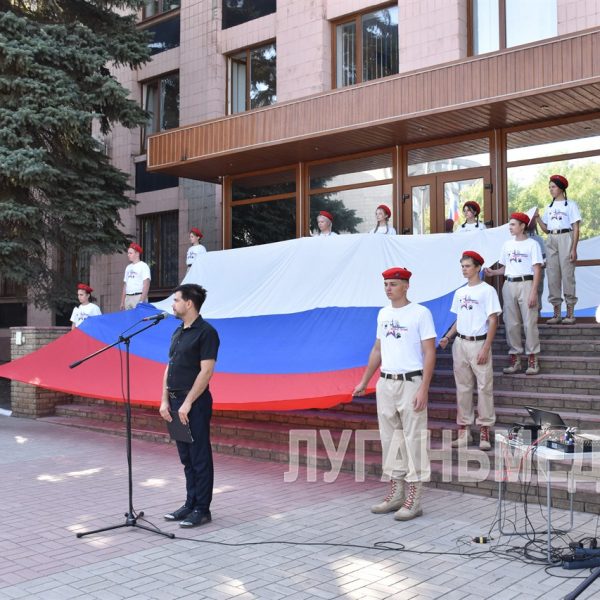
x,y
465,437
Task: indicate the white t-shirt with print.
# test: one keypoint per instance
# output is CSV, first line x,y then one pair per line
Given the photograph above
x,y
193,253
83,311
560,216
135,275
401,331
473,304
389,230
518,258
468,227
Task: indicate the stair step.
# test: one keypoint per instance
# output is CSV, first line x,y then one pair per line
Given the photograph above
x,y
544,382
583,331
578,365
442,415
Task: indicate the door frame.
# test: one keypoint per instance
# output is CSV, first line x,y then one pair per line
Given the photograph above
x,y
436,182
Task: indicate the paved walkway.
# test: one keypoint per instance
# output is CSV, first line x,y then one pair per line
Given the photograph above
x,y
57,481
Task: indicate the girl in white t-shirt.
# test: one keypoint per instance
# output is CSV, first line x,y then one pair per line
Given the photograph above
x,y
86,307
471,211
561,222
383,215
196,248
325,224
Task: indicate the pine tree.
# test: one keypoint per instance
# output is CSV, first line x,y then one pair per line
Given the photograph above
x,y
59,194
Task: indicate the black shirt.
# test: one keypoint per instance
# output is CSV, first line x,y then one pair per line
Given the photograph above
x,y
190,345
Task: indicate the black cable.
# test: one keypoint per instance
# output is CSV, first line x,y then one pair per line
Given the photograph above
x,y
505,551
389,546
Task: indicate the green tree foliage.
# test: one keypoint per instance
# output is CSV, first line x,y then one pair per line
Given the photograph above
x,y
584,188
58,191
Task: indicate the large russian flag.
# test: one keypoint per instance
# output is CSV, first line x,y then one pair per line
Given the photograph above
x,y
296,320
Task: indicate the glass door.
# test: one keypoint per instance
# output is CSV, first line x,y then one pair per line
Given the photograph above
x,y
453,193
417,206
434,202
421,209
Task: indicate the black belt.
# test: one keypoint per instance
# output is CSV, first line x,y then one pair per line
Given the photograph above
x,y
175,393
555,231
471,338
402,376
522,278
136,294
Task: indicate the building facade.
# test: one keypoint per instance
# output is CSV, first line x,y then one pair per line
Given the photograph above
x,y
264,112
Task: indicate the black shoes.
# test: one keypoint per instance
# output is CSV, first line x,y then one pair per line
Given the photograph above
x,y
179,514
196,518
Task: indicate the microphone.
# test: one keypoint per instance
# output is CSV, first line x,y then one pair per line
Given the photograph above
x,y
159,317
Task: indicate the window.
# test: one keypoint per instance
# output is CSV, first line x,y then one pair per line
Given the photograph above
x,y
263,208
499,24
73,266
351,190
151,182
236,12
366,47
467,154
157,7
164,35
571,149
13,306
252,78
159,237
161,100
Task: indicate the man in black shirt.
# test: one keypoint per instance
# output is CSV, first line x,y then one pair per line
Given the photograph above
x,y
186,396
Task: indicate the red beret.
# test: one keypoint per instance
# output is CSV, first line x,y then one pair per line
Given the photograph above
x,y
519,216
397,273
385,209
327,215
85,288
472,254
196,231
136,247
473,206
560,181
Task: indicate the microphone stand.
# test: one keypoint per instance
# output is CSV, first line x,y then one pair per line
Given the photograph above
x,y
583,585
130,516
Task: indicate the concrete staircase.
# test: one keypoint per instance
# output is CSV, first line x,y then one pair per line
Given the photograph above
x,y
569,384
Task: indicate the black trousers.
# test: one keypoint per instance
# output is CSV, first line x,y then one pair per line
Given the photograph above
x,y
196,457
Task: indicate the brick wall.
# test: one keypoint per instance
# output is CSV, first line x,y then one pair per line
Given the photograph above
x,y
28,400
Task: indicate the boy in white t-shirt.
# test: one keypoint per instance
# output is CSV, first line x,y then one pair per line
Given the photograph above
x,y
136,282
86,307
405,350
196,249
477,307
561,222
521,260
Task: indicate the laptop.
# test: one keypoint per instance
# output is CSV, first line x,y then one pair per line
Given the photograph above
x,y
545,418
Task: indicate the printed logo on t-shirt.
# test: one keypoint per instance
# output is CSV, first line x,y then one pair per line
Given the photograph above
x,y
394,329
468,303
557,214
516,256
